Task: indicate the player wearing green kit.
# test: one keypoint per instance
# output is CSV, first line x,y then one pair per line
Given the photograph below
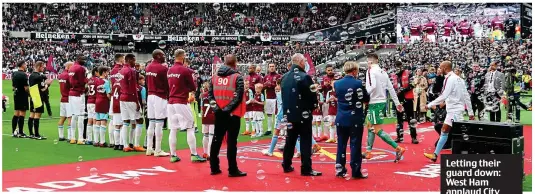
x,y
377,81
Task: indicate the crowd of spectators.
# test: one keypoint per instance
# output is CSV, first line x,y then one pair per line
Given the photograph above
x,y
181,18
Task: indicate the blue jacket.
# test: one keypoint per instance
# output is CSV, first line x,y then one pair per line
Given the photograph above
x,y
296,95
344,115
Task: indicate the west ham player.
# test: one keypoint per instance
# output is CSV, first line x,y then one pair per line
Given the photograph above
x,y
464,29
430,29
91,98
456,96
270,81
317,117
64,107
102,106
257,102
78,80
377,82
116,118
325,88
332,103
416,32
180,115
248,109
39,79
448,31
208,120
497,24
158,90
253,78
129,105
119,61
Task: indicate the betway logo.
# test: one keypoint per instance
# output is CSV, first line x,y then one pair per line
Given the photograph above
x,y
429,171
96,179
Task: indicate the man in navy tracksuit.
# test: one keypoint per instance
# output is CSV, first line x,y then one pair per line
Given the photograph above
x,y
350,118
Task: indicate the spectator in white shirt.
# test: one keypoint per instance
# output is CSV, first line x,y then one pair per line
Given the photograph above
x,y
456,96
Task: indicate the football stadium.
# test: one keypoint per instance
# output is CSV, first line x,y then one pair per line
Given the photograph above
x,y
135,97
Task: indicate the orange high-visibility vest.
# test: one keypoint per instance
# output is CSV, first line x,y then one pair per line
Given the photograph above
x,y
224,89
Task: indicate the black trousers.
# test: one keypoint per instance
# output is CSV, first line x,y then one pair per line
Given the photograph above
x,y
477,106
496,116
230,125
354,135
304,130
46,102
408,105
515,104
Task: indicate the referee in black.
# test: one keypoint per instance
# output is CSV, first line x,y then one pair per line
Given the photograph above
x,y
39,79
20,98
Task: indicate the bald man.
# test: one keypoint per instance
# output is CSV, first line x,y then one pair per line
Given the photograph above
x,y
456,96
228,102
158,90
253,78
179,112
64,107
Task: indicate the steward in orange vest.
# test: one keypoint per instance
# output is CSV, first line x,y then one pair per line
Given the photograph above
x,y
227,98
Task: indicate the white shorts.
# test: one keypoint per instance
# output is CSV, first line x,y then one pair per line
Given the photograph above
x,y
258,116
453,117
316,118
431,38
179,116
325,109
448,38
156,107
129,111
271,106
116,119
91,114
208,128
415,38
330,118
65,110
248,115
77,105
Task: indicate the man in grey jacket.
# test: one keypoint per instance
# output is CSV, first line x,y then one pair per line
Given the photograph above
x,y
494,83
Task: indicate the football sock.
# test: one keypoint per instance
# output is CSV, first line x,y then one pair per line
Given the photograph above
x,y
274,140
90,133
30,125
441,142
205,138
386,138
36,127
102,134
96,133
21,124
314,131
80,128
69,135
159,134
111,132
260,127
247,123
117,136
331,132
139,128
210,137
14,123
192,142
60,131
370,140
172,142
150,133
269,122
124,134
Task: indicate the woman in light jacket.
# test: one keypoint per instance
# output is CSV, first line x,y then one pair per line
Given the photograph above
x,y
420,95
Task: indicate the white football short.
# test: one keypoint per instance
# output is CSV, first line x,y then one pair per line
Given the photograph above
x,y
77,105
116,119
65,110
415,38
208,128
248,115
258,116
316,118
129,111
179,116
453,117
91,111
271,106
156,107
330,118
431,38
